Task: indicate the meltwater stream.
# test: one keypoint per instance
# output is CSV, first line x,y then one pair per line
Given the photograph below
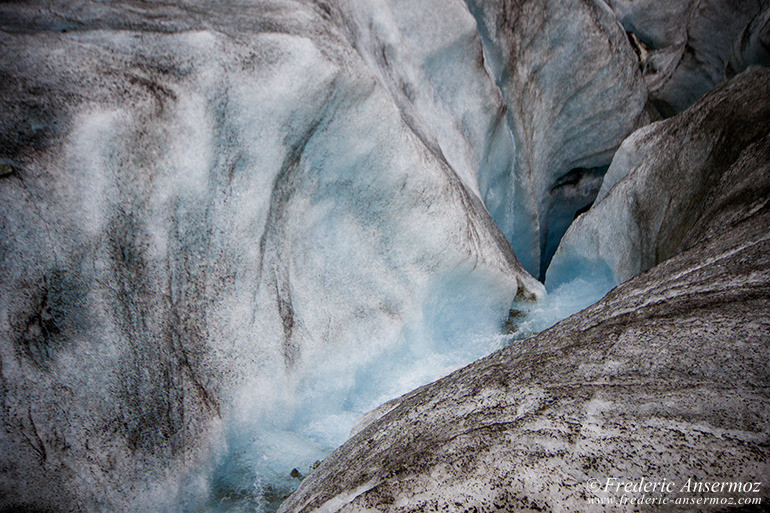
x,y
267,453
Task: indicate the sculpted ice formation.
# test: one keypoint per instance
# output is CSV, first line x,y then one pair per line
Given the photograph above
x,y
657,187
202,201
428,56
688,47
667,372
223,224
574,92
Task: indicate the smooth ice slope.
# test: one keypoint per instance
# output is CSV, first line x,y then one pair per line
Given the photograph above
x,y
199,204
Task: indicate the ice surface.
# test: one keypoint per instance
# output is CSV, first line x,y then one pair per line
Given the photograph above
x,y
561,67
287,428
656,191
428,56
685,47
663,373
229,235
230,231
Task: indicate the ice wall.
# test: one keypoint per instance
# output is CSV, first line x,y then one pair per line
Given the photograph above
x,y
428,56
525,128
688,47
574,92
200,203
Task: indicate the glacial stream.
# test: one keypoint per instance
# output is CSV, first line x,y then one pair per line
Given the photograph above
x,y
268,451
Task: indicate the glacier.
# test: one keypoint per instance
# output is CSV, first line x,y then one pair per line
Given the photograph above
x,y
687,48
654,195
235,234
666,374
199,210
574,91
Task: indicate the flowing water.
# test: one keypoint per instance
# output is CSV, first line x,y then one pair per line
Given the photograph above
x,y
292,426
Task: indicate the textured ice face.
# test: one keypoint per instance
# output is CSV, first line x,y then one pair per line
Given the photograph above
x,y
660,184
228,230
688,47
574,92
428,56
268,450
664,373
752,46
227,216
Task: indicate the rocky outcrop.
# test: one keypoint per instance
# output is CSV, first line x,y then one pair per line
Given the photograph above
x,y
574,92
198,200
655,193
666,377
686,48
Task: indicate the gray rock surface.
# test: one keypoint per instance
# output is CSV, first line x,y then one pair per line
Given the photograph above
x,y
202,199
688,47
666,377
656,191
574,92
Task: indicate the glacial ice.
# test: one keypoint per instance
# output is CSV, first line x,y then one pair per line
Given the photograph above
x,y
562,67
655,193
203,208
668,372
688,47
230,230
752,46
304,426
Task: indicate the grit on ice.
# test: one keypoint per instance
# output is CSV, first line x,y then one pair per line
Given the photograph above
x,y
362,254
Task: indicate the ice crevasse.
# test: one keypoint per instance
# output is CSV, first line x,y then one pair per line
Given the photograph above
x,y
200,205
222,222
